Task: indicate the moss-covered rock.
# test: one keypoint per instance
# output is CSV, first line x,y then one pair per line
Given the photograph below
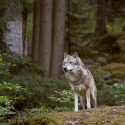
x,y
100,116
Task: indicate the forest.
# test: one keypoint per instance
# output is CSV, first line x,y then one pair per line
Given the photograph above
x,y
35,34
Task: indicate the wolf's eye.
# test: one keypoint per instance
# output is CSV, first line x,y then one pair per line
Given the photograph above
x,y
71,62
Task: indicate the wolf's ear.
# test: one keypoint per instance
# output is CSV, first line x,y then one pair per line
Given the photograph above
x,y
65,54
75,54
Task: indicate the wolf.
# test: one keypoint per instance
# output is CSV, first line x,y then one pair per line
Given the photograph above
x,y
81,81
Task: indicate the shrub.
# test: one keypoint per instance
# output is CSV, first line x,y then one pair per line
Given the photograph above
x,y
40,87
112,95
118,90
31,76
63,99
41,110
6,108
19,64
10,94
3,67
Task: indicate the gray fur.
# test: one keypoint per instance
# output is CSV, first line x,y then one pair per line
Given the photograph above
x,y
80,80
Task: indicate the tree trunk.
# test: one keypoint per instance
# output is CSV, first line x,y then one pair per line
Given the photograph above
x,y
45,34
109,10
58,38
1,29
36,31
101,17
24,29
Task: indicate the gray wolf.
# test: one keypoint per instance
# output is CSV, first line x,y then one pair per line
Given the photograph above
x,y
80,80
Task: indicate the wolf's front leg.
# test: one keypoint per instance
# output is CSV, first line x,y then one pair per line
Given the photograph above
x,y
76,101
88,98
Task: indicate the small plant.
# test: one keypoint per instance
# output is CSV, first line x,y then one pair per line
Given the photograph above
x,y
119,94
42,109
63,99
6,108
3,67
10,94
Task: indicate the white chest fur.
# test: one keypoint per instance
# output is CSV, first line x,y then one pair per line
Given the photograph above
x,y
76,82
80,89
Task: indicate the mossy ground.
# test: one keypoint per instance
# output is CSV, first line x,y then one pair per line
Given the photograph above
x,y
101,116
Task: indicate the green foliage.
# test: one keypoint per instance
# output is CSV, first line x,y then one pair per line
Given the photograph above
x,y
3,67
27,75
6,108
63,100
84,11
40,87
40,110
10,86
28,4
109,91
30,27
119,94
10,95
84,21
112,95
18,64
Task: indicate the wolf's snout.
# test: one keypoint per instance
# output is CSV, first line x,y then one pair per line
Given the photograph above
x,y
65,69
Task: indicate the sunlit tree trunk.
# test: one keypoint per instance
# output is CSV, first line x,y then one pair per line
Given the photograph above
x,y
58,38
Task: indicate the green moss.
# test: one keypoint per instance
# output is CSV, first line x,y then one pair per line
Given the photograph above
x,y
100,116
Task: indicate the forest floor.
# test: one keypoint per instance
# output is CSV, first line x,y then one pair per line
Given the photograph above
x,y
114,115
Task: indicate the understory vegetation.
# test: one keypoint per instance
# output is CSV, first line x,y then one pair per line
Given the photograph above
x,y
26,93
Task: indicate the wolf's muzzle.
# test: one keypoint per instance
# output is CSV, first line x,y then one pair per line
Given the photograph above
x,y
65,69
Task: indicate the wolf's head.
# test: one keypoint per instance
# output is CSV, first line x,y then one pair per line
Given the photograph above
x,y
71,63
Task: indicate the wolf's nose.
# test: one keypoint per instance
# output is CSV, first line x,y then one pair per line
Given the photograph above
x,y
65,69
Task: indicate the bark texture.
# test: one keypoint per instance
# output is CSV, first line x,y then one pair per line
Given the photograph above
x,y
48,35
24,29
58,38
36,31
45,34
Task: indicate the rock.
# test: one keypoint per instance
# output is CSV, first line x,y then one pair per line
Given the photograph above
x,y
117,69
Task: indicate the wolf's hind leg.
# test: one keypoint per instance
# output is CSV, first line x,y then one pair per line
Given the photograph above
x,y
94,98
82,101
